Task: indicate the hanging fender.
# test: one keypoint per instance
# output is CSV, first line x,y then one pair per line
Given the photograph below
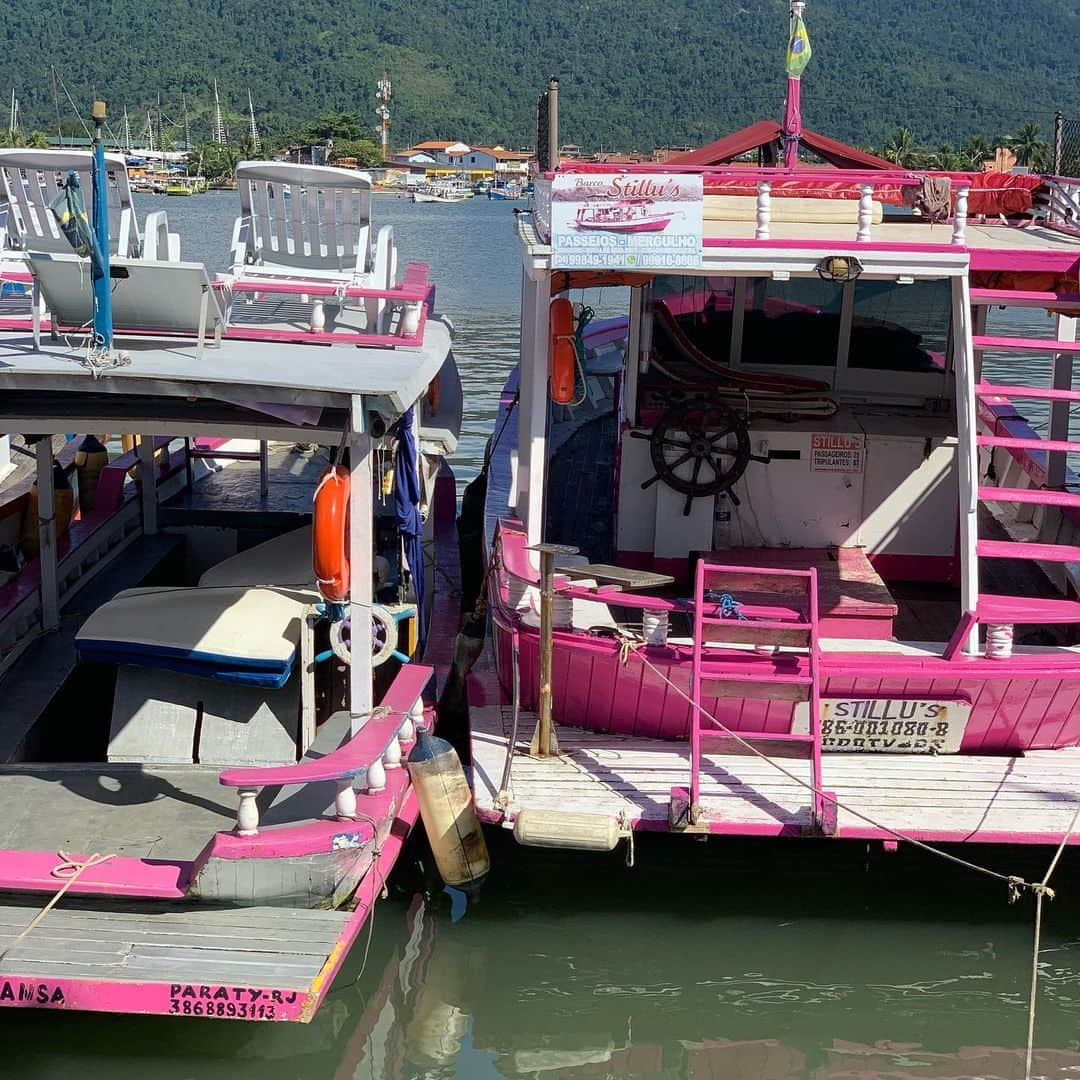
x,y
563,351
330,534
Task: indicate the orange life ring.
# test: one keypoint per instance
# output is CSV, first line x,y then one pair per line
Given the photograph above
x,y
563,352
330,534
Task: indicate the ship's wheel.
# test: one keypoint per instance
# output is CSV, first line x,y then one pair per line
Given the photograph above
x,y
699,449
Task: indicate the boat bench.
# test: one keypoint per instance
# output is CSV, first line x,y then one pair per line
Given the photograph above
x,y
853,600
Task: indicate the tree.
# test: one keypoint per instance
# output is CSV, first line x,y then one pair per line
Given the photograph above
x,y
975,151
36,140
900,147
216,160
948,159
367,152
1030,148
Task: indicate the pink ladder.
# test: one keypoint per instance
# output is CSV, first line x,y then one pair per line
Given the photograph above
x,y
754,614
998,609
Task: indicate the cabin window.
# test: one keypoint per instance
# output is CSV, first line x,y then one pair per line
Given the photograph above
x,y
792,322
901,327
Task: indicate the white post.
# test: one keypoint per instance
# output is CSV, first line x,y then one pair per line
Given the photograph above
x,y
866,213
392,755
345,800
50,592
148,484
247,816
968,452
361,516
1060,410
376,777
764,209
532,448
960,215
5,456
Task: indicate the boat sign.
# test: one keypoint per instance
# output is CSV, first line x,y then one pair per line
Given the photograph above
x,y
890,725
626,221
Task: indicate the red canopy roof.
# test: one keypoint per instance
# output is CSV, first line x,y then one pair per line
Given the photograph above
x,y
767,133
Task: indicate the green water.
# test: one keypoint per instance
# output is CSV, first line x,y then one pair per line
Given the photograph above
x,y
721,960
742,960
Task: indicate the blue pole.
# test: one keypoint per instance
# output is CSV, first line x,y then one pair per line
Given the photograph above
x,y
103,330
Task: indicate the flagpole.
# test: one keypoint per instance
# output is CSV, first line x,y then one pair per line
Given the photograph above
x,y
793,105
101,282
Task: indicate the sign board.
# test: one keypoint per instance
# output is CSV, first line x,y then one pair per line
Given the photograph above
x,y
831,452
626,221
889,725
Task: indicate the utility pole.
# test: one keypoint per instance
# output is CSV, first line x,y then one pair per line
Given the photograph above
x,y
383,95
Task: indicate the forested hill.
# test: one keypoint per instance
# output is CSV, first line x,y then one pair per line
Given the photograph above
x,y
634,75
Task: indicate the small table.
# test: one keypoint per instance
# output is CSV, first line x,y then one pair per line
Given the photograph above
x,y
618,577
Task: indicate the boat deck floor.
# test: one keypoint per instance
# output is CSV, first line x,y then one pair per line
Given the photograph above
x,y
947,798
232,495
1028,799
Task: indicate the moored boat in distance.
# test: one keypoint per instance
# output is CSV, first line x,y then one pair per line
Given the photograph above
x,y
768,551
220,820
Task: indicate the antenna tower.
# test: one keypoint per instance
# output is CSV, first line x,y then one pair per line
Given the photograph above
x,y
383,94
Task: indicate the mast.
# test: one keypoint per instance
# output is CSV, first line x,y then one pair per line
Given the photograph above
x,y
256,142
187,124
220,135
125,137
13,117
100,280
383,95
150,131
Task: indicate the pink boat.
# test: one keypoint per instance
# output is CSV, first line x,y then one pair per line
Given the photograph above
x,y
626,215
201,745
796,561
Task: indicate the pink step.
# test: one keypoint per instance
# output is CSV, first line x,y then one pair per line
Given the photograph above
x,y
1013,549
756,624
1032,496
756,736
1007,442
1023,298
1026,609
1015,344
152,879
1038,393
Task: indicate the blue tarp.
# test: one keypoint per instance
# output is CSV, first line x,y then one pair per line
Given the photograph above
x,y
407,508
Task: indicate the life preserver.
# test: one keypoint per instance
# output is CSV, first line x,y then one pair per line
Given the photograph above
x,y
563,351
330,534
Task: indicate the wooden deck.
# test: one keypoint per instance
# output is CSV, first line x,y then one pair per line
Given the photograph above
x,y
952,798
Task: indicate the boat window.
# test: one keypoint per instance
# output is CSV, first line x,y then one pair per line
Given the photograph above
x,y
901,327
792,322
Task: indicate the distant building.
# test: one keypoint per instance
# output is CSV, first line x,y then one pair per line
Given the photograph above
x,y
444,158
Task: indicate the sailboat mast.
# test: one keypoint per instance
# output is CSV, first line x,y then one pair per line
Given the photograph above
x,y
256,142
220,135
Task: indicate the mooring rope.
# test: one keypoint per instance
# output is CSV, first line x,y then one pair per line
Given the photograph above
x,y
69,869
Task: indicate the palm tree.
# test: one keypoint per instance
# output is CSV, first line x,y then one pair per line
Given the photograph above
x,y
975,151
900,146
948,159
1029,146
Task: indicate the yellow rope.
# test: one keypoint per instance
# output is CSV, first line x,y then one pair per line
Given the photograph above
x,y
1042,892
69,870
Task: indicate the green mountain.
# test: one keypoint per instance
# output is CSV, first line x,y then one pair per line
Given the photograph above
x,y
634,75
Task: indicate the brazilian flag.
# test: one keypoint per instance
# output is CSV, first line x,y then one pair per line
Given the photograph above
x,y
798,50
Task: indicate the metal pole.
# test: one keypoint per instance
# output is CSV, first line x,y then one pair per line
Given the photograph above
x,y
100,279
1059,125
553,123
544,744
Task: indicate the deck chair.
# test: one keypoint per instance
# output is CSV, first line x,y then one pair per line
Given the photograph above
x,y
311,222
30,180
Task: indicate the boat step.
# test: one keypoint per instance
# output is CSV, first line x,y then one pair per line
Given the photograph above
x,y
1036,393
41,871
1026,609
1033,496
725,684
774,744
1009,443
757,624
1014,549
1023,298
1013,344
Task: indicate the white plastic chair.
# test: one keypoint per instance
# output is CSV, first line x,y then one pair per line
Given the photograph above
x,y
31,179
311,222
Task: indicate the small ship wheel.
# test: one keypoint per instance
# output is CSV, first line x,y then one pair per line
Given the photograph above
x,y
699,449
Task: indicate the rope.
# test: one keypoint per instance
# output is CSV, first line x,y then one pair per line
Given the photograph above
x,y
1016,884
69,871
1042,892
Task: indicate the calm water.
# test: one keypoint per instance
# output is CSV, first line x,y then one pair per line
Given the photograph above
x,y
716,960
